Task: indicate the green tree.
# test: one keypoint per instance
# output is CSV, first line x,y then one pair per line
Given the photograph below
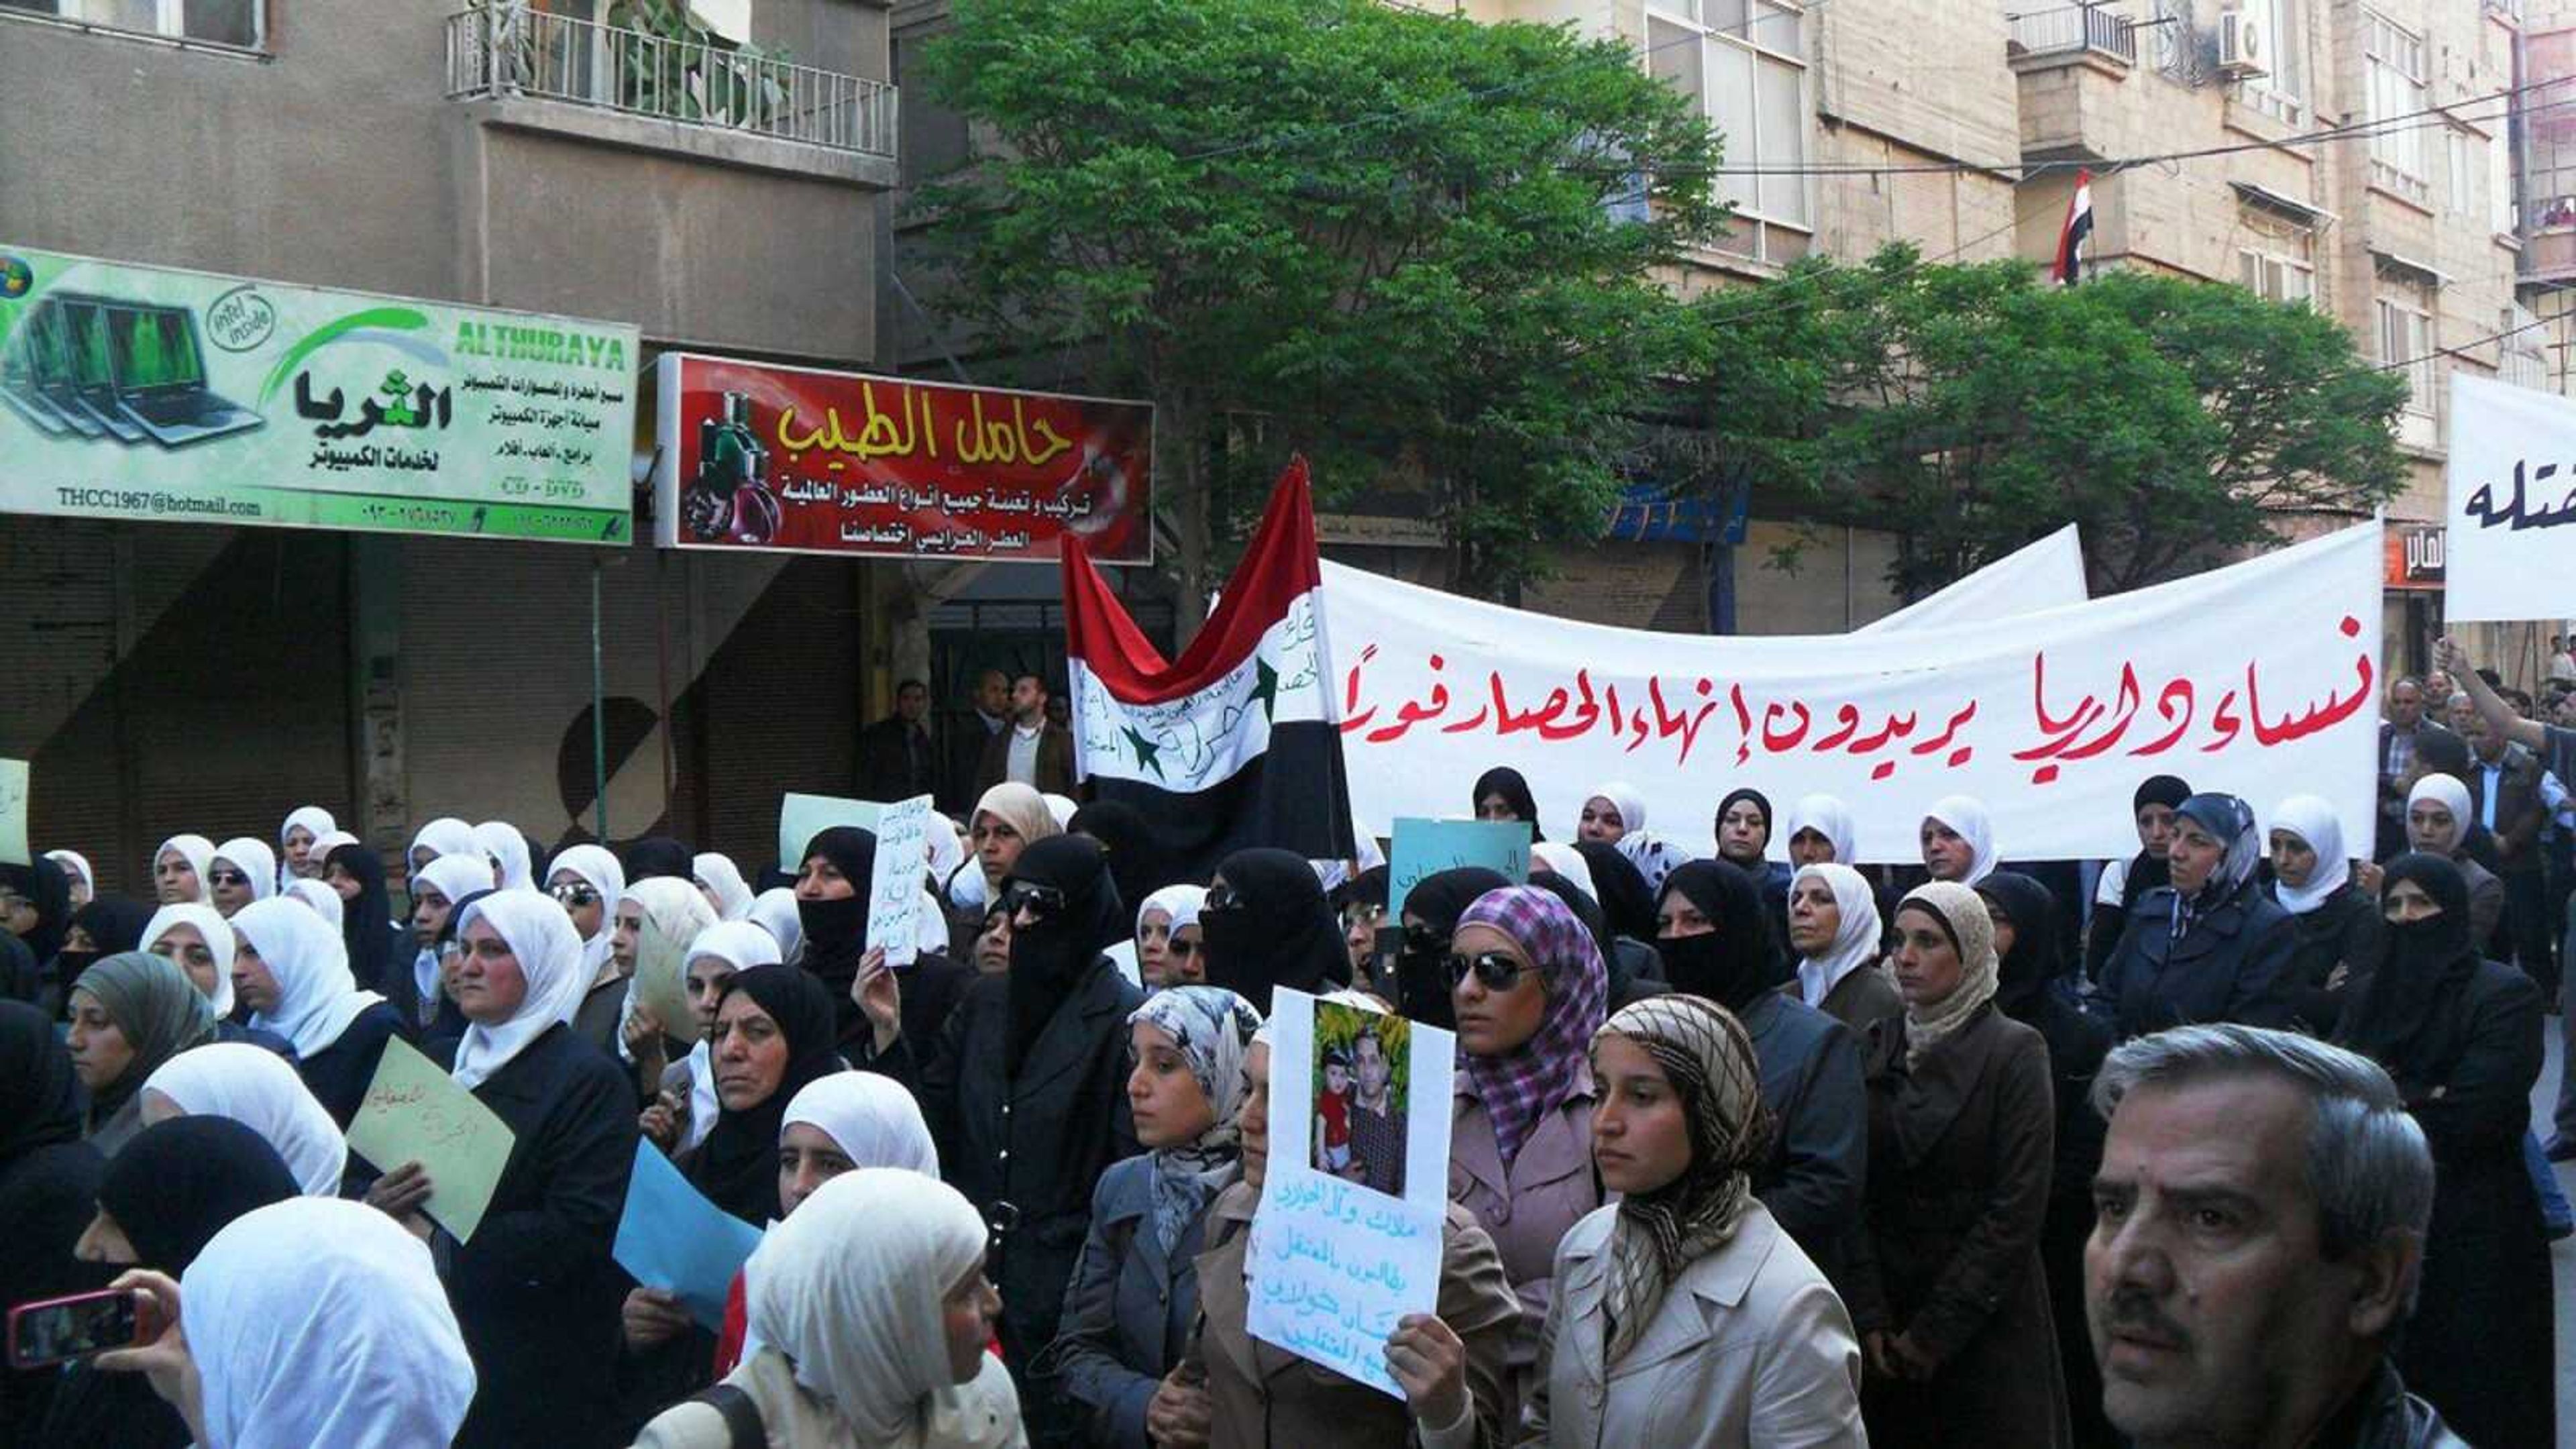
x,y
1371,232
1972,409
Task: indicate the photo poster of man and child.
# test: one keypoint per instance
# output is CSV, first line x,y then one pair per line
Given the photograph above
x,y
1347,1240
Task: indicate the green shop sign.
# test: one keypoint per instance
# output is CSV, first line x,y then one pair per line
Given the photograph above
x,y
143,392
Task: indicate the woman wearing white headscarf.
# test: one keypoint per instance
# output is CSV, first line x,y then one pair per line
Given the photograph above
x,y
1820,832
307,1322
296,857
1834,928
588,882
179,870
534,1288
292,971
446,835
2439,817
436,890
872,1310
774,911
1958,840
242,870
2208,945
723,884
261,1092
319,899
1950,1302
2338,921
1558,858
83,880
656,920
507,850
1158,920
1616,814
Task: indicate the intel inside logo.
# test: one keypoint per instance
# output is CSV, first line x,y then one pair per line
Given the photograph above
x,y
15,277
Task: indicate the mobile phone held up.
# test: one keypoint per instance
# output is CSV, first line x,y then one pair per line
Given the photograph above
x,y
59,1330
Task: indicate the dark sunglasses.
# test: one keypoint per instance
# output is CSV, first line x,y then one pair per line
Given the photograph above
x,y
1221,898
229,877
1495,970
1423,941
575,895
1040,901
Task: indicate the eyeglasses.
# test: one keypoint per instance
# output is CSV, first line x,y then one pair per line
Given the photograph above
x,y
228,878
1221,898
1362,916
1495,970
1040,901
12,902
1424,941
575,895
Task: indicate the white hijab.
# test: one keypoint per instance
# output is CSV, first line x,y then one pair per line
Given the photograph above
x,y
874,1121
455,877
76,864
1855,942
719,874
945,848
774,911
1827,816
446,835
1966,814
1061,807
210,923
313,818
680,912
1623,797
2447,792
850,1289
252,858
317,997
550,957
1179,903
594,864
1568,862
741,945
314,1322
319,898
2311,819
506,850
255,1087
330,841
199,852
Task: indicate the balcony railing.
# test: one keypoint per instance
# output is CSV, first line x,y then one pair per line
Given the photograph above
x,y
2074,29
508,50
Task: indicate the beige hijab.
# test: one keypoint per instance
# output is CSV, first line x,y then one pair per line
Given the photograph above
x,y
1973,931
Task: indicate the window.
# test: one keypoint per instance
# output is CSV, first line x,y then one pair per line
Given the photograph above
x,y
2282,95
2393,64
2463,168
2525,359
2500,189
2406,348
220,22
2275,277
1743,60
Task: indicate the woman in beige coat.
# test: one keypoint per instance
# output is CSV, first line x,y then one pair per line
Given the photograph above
x,y
870,1312
1684,1316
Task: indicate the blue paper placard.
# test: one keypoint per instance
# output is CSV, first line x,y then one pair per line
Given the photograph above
x,y
1428,847
673,1239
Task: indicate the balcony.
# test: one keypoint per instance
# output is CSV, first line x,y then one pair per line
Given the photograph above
x,y
2073,32
697,95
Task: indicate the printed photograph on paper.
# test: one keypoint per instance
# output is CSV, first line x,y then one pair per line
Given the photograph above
x,y
1361,1073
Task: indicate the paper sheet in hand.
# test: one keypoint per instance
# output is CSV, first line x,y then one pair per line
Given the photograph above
x,y
802,817
414,1112
13,814
894,888
661,982
1428,847
673,1239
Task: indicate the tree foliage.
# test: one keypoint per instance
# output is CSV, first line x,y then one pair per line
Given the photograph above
x,y
1374,232
1972,409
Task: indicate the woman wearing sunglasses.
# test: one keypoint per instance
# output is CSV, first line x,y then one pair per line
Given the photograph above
x,y
1026,1091
1529,988
588,883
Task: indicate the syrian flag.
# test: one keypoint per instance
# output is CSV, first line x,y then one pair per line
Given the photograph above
x,y
1235,744
2077,230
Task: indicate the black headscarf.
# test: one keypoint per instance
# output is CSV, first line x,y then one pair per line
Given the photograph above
x,y
2021,980
1735,963
1626,900
180,1182
836,932
737,1166
50,891
1421,971
1135,861
1050,959
661,855
1369,888
1586,910
2404,1017
1507,782
2147,872
40,1098
1278,933
1759,799
112,924
366,924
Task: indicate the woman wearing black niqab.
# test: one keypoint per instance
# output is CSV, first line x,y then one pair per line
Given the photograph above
x,y
1266,925
1431,912
1627,909
836,945
107,925
378,945
1734,963
48,892
1025,1091
1501,794
48,1182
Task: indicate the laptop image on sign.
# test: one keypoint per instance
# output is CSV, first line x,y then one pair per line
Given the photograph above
x,y
92,385
160,376
49,373
18,382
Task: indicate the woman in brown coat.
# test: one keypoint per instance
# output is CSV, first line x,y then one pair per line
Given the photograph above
x,y
1950,1302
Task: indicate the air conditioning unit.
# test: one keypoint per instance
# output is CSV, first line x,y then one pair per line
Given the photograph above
x,y
2243,48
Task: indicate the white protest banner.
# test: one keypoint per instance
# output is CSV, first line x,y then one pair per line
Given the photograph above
x,y
2036,576
2259,679
1347,1239
894,884
2510,543
14,849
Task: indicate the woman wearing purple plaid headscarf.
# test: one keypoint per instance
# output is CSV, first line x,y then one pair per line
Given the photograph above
x,y
1530,988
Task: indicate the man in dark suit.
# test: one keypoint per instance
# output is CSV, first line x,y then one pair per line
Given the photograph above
x,y
896,758
1032,750
990,705
2405,727
2504,795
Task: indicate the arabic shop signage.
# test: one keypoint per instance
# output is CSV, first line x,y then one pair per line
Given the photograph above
x,y
148,393
2414,557
762,457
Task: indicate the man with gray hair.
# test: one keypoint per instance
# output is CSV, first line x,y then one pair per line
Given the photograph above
x,y
2260,1216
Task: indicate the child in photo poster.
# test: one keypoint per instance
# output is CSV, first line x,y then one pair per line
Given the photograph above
x,y
1366,1049
1333,1114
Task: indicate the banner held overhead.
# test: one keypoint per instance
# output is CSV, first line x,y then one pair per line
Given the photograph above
x,y
2511,540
